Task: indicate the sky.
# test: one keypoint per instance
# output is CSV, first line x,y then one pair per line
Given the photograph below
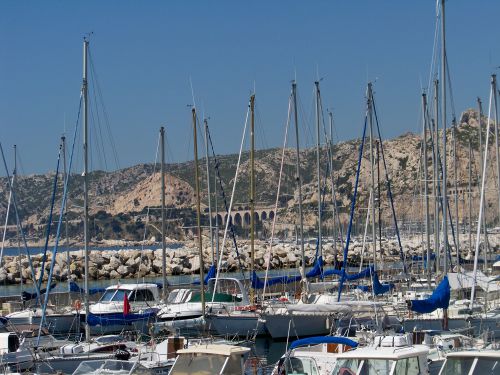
x,y
152,58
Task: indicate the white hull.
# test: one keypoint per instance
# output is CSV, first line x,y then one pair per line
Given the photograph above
x,y
63,323
237,324
278,325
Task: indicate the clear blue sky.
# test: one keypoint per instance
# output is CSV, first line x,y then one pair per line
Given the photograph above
x,y
146,51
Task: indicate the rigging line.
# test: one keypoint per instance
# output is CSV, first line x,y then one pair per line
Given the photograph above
x,y
388,183
59,226
353,205
49,222
100,138
104,110
434,52
269,252
224,199
450,89
19,224
231,204
149,207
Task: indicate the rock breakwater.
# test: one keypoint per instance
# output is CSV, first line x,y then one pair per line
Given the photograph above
x,y
133,263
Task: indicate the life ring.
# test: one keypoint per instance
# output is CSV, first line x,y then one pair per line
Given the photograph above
x,y
78,305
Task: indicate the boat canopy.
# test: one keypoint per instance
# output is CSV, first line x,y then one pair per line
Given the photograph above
x,y
75,288
323,340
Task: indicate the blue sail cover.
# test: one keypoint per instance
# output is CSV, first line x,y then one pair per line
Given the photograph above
x,y
361,275
323,340
379,288
258,283
27,296
440,299
212,271
118,318
317,269
75,288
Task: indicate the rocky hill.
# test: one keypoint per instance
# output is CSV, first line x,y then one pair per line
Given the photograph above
x,y
119,199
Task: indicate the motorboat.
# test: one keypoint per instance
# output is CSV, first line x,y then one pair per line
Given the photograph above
x,y
472,362
391,355
211,359
108,314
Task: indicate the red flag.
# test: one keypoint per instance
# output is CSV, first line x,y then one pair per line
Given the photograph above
x,y
126,305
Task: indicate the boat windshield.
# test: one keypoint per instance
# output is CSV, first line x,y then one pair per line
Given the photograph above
x,y
200,364
115,295
110,367
487,366
298,365
454,366
349,366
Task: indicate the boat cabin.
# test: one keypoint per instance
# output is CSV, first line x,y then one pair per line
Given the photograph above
x,y
140,296
210,359
392,355
472,362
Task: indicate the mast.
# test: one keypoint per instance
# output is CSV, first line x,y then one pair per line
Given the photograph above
x,y
481,157
163,231
207,160
68,258
330,116
481,208
494,91
426,189
443,121
298,180
377,143
216,221
443,124
372,170
252,193
455,173
436,175
470,197
198,214
14,175
318,141
85,186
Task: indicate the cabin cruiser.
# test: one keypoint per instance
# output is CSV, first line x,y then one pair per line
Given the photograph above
x,y
211,359
184,308
330,355
109,314
391,355
313,355
473,362
69,356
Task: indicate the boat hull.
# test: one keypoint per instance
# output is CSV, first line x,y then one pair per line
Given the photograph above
x,y
280,326
242,325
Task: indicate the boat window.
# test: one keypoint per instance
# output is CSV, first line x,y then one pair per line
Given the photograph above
x,y
346,366
407,366
108,295
141,295
201,364
376,367
487,366
119,295
296,365
13,341
454,366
